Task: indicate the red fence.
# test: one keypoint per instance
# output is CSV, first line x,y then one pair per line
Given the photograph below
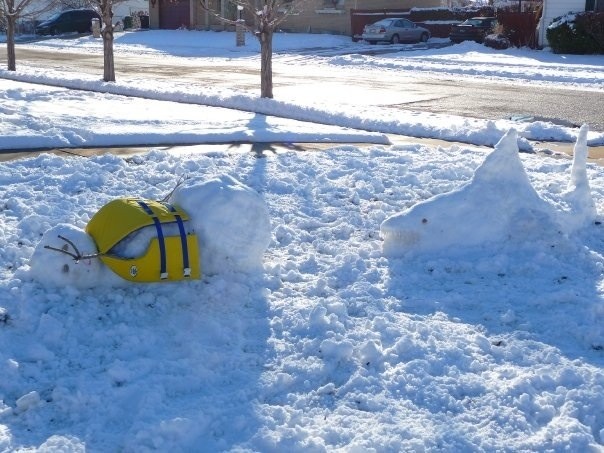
x,y
520,28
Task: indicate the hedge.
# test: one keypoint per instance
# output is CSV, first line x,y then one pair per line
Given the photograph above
x,y
577,33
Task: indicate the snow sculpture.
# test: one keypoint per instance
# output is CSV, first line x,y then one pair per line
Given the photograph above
x,y
582,208
57,269
498,203
231,222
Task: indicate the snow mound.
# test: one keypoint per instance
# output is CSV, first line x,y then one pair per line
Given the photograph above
x,y
52,268
498,204
231,221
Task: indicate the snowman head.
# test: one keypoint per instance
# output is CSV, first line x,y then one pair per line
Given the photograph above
x,y
66,256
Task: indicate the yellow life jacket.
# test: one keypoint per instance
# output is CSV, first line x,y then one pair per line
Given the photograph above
x,y
167,258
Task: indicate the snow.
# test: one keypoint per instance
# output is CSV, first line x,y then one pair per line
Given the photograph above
x,y
231,220
484,335
57,269
348,106
499,204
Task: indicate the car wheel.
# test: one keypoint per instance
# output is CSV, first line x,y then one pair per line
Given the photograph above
x,y
395,39
424,37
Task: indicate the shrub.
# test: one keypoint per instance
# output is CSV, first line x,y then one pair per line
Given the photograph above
x,y
497,41
592,24
580,33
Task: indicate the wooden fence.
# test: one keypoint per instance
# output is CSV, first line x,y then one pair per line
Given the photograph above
x,y
520,28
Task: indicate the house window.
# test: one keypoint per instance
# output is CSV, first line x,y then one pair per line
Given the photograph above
x,y
332,4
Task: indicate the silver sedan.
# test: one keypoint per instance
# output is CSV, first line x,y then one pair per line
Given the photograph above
x,y
395,30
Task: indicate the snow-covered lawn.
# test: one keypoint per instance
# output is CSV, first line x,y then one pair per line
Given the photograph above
x,y
484,335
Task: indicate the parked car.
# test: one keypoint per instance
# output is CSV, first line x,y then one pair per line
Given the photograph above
x,y
395,30
71,20
474,29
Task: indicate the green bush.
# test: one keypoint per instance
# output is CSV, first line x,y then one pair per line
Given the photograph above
x,y
580,33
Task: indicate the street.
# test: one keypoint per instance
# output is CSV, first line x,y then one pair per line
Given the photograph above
x,y
391,89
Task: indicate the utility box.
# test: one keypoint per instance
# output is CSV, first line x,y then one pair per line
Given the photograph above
x,y
96,28
240,33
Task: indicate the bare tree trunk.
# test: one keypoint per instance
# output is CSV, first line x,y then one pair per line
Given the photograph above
x,y
107,33
108,62
266,15
11,22
13,10
266,64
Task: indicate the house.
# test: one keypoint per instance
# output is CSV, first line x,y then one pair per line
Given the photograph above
x,y
556,8
317,16
129,7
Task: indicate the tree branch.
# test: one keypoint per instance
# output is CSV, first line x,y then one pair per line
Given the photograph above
x,y
77,256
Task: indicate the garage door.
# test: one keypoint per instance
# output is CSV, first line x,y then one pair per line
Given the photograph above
x,y
174,14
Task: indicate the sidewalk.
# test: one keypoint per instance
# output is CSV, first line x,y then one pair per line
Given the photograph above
x,y
552,149
596,153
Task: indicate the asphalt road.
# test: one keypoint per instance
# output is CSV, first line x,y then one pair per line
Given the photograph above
x,y
495,101
463,97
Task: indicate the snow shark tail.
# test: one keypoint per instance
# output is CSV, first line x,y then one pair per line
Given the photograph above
x,y
499,203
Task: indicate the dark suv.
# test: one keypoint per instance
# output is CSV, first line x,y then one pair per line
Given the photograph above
x,y
71,20
474,29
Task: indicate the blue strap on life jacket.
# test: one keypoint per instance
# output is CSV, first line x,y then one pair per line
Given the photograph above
x,y
160,237
183,240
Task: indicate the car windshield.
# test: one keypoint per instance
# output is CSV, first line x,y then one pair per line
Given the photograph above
x,y
54,16
476,22
384,22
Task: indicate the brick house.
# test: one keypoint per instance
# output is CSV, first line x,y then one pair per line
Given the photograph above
x,y
317,16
